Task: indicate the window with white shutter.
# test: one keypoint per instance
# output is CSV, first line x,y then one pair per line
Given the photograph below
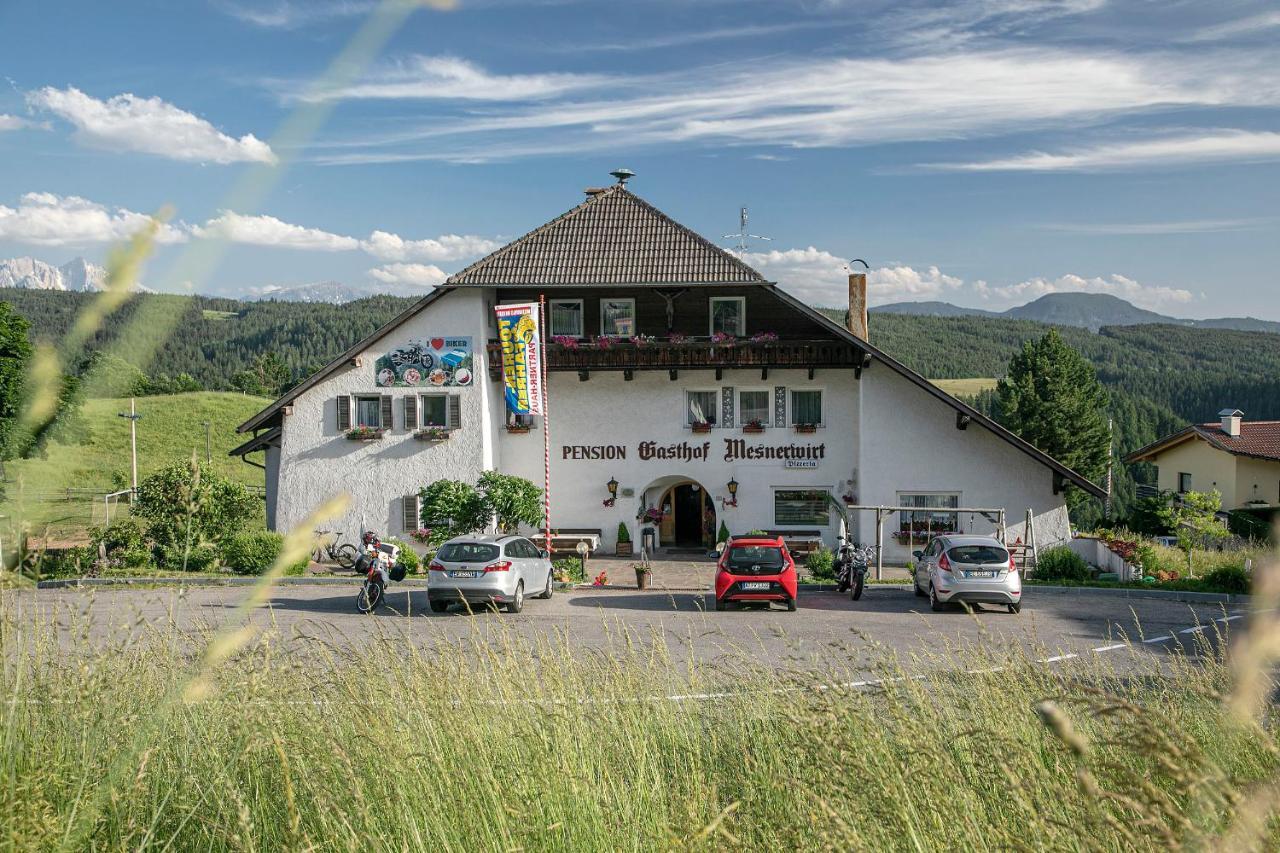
x,y
411,411
344,412
412,517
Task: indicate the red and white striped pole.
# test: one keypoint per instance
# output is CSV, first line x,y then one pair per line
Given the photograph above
x,y
546,422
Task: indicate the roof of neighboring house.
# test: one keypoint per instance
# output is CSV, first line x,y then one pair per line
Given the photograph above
x,y
261,441
614,237
1257,439
270,416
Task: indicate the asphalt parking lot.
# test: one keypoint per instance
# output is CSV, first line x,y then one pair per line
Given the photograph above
x,y
829,632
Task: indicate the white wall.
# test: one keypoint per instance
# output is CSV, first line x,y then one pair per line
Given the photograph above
x,y
910,444
317,461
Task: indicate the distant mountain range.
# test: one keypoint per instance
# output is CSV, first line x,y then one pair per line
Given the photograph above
x,y
31,274
1086,310
333,292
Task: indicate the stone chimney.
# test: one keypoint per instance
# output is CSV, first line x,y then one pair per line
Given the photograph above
x,y
856,318
1231,421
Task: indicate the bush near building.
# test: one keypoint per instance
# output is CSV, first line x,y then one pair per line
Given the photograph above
x,y
1061,563
191,511
252,553
820,564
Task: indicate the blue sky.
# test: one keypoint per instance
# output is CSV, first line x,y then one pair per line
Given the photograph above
x,y
982,152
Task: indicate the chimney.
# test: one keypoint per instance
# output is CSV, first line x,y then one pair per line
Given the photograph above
x,y
1231,421
592,192
856,319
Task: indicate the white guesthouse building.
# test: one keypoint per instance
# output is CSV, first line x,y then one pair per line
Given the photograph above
x,y
797,408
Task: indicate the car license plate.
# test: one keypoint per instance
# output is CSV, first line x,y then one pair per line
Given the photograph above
x,y
755,585
465,574
979,574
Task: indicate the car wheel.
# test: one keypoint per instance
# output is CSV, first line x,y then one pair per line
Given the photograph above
x,y
858,587
516,604
934,604
791,605
551,585
915,587
1015,608
721,604
439,606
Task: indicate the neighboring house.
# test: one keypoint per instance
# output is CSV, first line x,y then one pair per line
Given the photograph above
x,y
1238,458
807,412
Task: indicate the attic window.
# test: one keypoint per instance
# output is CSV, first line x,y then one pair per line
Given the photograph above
x,y
729,315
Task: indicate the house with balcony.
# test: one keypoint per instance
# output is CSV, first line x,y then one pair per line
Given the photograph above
x,y
685,391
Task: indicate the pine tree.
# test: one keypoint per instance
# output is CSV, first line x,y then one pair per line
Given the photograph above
x,y
1052,398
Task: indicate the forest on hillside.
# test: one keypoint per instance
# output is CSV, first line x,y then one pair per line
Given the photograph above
x,y
1159,377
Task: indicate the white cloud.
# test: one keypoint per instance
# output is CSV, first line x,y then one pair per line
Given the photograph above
x,y
426,275
1155,297
46,219
1206,147
821,278
1188,226
1246,26
268,231
451,78
149,125
447,247
288,14
12,122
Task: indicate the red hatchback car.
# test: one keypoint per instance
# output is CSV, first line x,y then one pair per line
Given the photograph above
x,y
756,568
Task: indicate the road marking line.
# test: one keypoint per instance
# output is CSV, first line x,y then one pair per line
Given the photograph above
x,y
1111,647
1196,630
1159,639
1057,658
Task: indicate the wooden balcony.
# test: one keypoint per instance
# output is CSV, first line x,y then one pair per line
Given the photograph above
x,y
692,355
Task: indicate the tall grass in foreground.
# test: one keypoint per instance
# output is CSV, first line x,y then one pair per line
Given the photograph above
x,y
294,743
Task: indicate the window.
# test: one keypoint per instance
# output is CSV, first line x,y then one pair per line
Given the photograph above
x,y
618,317
1184,482
701,407
729,315
566,317
754,406
980,554
932,517
801,506
806,407
522,421
435,410
468,552
369,412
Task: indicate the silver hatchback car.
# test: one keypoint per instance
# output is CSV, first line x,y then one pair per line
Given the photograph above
x,y
484,569
969,569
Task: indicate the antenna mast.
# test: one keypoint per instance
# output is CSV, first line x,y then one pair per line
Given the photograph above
x,y
743,236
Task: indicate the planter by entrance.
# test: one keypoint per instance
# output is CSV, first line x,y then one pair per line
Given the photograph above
x,y
623,549
642,578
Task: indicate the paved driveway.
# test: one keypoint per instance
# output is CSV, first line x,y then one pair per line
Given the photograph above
x,y
828,633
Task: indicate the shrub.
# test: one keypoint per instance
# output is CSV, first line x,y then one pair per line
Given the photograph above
x,y
821,564
1061,563
1232,579
624,535
123,543
254,552
569,569
723,534
513,500
408,557
192,509
196,558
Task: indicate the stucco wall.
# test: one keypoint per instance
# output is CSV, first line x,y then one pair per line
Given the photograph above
x,y
318,462
1209,468
1256,479
910,444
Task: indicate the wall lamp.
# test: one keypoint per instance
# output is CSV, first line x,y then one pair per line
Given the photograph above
x,y
612,486
732,486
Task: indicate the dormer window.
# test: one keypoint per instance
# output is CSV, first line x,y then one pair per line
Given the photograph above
x,y
729,315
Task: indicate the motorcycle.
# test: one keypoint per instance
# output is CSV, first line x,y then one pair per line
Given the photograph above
x,y
380,564
851,567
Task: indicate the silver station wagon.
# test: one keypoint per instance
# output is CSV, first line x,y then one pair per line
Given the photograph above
x,y
493,570
968,569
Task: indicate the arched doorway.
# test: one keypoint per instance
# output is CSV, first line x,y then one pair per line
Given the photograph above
x,y
689,513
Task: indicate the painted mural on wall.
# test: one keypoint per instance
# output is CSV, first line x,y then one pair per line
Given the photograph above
x,y
438,362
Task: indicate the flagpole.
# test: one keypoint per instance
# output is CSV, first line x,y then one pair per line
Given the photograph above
x,y
546,423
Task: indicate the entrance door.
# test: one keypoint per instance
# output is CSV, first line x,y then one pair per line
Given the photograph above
x,y
687,505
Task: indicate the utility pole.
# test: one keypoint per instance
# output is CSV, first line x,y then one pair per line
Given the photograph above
x,y
133,442
208,442
1106,504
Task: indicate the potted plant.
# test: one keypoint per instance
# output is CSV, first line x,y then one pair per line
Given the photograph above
x,y
723,339
764,338
644,574
517,427
806,428
364,433
753,425
605,341
624,540
566,341
433,433
642,340
700,426
677,338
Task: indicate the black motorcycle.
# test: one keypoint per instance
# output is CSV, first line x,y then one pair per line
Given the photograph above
x,y
851,567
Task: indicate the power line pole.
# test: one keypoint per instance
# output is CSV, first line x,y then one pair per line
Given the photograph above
x,y
1106,504
208,442
133,441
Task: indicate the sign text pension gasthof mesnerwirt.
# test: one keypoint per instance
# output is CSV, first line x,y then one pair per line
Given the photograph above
x,y
735,450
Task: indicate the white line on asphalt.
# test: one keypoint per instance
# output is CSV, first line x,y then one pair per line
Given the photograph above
x,y
1159,639
1111,647
1057,658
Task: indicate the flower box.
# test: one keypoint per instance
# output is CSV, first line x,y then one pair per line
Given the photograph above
x,y
432,434
623,549
700,427
753,427
518,428
806,428
364,434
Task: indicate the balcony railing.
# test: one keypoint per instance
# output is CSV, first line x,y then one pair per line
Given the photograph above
x,y
692,354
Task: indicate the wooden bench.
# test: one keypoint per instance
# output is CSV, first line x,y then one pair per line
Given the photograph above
x,y
565,540
799,542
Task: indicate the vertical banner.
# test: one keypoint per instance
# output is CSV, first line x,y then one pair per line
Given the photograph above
x,y
546,429
518,332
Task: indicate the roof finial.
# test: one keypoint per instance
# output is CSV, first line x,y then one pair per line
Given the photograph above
x,y
623,175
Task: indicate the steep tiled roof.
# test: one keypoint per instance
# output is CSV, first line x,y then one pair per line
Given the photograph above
x,y
614,237
1258,439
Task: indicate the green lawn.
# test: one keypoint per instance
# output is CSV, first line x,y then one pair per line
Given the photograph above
x,y
965,387
170,429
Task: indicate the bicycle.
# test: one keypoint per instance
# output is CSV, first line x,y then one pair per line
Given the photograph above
x,y
327,548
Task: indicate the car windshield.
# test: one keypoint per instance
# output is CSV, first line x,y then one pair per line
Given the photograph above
x,y
747,556
467,552
978,554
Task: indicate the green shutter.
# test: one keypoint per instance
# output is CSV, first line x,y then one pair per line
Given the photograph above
x,y
344,412
386,418
411,411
